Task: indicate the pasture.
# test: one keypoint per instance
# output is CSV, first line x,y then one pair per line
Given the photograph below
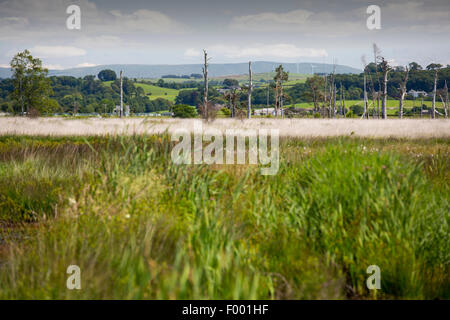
x,y
158,92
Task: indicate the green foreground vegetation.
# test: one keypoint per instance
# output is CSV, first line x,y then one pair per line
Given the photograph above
x,y
140,227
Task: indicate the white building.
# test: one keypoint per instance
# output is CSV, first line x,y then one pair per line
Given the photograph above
x,y
417,94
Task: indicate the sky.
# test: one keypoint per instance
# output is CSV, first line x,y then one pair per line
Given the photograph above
x,y
176,31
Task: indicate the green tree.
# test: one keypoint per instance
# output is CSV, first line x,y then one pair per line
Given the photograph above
x,y
50,106
315,84
31,85
184,111
107,75
414,66
280,77
230,83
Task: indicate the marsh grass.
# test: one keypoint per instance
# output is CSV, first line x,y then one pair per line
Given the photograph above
x,y
140,227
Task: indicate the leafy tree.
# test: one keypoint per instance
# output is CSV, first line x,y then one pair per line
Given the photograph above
x,y
230,83
50,106
414,66
31,85
280,76
107,75
357,109
434,66
315,84
184,111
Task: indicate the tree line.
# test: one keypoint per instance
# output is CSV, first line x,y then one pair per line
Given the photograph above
x,y
31,90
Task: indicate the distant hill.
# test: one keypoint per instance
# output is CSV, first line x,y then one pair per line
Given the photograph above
x,y
215,70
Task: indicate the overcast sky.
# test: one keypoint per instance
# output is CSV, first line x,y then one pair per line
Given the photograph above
x,y
175,32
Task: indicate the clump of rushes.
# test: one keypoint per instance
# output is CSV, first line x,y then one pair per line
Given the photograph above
x,y
140,227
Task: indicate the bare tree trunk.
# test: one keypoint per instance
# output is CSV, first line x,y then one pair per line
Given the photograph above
x,y
385,68
277,98
433,106
21,94
376,53
384,102
121,95
343,102
421,107
403,93
446,99
205,79
325,92
250,88
365,96
281,100
445,106
334,100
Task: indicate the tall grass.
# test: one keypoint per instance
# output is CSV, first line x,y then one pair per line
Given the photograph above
x,y
140,227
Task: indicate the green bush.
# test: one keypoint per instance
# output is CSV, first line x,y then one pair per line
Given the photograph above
x,y
225,111
357,110
184,111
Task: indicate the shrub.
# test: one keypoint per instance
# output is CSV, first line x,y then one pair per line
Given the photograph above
x,y
357,109
225,111
184,111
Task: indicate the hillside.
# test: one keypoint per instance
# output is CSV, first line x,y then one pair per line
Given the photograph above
x,y
158,92
215,70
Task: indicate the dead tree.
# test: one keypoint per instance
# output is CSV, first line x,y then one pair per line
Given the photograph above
x,y
332,105
385,68
365,114
376,54
445,100
121,95
342,100
421,106
403,92
325,92
435,67
250,88
433,106
205,79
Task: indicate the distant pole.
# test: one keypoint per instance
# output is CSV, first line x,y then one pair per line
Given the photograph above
x,y
268,86
121,95
249,110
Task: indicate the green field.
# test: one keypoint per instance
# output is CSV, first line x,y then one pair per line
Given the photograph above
x,y
267,76
392,105
158,92
140,227
169,80
154,91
